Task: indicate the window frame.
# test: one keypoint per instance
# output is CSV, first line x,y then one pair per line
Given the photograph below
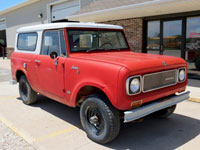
x,y
27,49
62,30
43,32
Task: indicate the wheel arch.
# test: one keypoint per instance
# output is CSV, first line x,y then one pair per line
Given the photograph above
x,y
89,89
18,74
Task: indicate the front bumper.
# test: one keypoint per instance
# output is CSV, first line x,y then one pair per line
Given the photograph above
x,y
153,107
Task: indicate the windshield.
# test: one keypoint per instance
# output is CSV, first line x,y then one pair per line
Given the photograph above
x,y
88,40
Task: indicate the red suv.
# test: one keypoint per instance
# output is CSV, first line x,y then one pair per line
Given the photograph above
x,y
91,66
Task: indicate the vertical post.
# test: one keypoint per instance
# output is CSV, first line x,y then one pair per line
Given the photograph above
x,y
144,39
3,51
183,44
161,38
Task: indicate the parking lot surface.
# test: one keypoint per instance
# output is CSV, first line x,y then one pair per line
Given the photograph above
x,y
50,125
10,141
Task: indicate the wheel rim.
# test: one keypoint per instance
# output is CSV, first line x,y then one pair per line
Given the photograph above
x,y
95,120
24,90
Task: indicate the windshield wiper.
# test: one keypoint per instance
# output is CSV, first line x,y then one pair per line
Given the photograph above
x,y
100,49
94,49
113,49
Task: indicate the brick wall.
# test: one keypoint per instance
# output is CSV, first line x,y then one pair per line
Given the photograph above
x,y
133,30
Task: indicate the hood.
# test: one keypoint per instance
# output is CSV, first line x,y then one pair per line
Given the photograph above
x,y
134,61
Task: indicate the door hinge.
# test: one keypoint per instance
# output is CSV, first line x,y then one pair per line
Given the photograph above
x,y
63,65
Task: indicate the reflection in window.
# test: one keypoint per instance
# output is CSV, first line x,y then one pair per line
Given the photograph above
x,y
172,38
193,33
50,43
172,35
193,42
153,35
83,40
27,41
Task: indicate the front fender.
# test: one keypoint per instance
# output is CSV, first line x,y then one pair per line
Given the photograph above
x,y
104,88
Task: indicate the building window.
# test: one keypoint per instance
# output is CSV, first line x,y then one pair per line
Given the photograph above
x,y
175,36
27,41
193,33
153,35
172,37
193,38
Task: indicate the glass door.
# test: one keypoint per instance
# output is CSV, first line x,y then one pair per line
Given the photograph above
x,y
153,37
172,38
193,46
178,37
164,37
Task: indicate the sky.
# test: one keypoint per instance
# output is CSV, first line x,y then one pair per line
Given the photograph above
x,y
9,3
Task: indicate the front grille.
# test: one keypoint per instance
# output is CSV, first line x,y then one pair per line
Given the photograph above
x,y
159,80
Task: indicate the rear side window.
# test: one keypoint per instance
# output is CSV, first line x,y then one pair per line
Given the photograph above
x,y
27,41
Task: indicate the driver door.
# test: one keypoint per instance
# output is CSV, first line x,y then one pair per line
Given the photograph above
x,y
51,70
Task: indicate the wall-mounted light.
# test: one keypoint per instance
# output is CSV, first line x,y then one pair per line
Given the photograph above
x,y
40,15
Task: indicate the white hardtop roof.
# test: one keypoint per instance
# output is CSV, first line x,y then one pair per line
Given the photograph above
x,y
65,25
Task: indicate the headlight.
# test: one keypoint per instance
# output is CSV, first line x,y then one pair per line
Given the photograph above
x,y
133,85
182,75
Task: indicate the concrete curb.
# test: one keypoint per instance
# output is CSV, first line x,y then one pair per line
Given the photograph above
x,y
194,100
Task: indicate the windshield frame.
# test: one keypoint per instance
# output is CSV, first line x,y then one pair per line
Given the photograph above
x,y
97,29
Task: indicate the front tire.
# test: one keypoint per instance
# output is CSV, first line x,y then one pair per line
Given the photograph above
x,y
161,114
27,94
99,119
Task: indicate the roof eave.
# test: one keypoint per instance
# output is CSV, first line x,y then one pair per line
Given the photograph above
x,y
152,8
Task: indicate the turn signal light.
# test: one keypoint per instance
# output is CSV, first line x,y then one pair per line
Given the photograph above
x,y
182,90
136,104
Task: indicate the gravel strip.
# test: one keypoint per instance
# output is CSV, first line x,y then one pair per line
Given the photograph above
x,y
10,141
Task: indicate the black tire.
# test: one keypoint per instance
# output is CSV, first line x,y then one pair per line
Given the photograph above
x,y
100,120
164,113
197,63
27,94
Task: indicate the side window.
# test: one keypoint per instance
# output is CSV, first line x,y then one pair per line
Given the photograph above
x,y
27,41
50,43
62,43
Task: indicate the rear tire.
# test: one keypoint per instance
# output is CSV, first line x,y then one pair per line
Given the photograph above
x,y
27,94
99,119
164,113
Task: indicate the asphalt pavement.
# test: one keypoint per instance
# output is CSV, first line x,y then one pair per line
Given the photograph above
x,y
50,125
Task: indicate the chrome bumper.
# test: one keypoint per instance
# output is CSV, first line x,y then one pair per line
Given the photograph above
x,y
153,107
13,82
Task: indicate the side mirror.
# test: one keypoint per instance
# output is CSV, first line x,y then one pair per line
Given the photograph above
x,y
53,55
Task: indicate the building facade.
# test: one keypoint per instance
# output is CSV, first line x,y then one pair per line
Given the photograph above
x,y
169,27
32,12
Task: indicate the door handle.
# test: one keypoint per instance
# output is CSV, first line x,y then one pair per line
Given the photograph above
x,y
75,68
37,61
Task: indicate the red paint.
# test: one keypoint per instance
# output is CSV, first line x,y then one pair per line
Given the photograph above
x,y
107,71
